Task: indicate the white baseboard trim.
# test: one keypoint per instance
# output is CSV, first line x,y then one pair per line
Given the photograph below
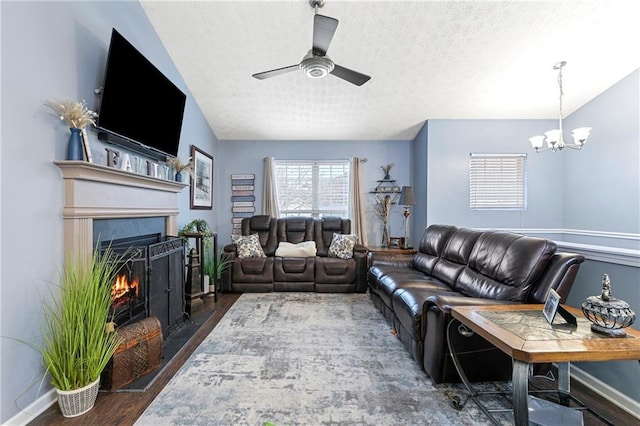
x,y
612,395
34,409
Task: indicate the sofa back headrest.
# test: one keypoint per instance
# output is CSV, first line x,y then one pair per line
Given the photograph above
x,y
325,228
295,229
504,266
265,227
455,255
433,241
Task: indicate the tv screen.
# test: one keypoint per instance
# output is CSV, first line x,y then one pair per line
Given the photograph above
x,y
141,109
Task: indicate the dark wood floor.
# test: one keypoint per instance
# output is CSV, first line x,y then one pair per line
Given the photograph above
x,y
124,408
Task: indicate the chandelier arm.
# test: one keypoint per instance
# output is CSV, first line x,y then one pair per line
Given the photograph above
x,y
573,146
538,150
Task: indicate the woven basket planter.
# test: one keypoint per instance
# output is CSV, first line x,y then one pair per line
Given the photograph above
x,y
76,402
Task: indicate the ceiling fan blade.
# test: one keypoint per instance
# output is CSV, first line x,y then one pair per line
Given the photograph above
x,y
277,71
350,75
323,29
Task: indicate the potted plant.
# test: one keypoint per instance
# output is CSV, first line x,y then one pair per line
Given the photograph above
x,y
78,340
213,270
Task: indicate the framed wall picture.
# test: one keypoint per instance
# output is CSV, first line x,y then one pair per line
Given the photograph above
x,y
202,180
551,305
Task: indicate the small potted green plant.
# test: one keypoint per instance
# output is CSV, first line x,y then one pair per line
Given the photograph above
x,y
78,339
213,270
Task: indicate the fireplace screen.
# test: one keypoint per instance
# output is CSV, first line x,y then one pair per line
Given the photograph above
x,y
129,289
150,280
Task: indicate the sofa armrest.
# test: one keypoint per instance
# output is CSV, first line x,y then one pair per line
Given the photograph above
x,y
359,248
230,248
445,302
559,275
390,259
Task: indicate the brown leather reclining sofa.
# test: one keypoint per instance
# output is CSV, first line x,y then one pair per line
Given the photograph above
x,y
319,273
459,266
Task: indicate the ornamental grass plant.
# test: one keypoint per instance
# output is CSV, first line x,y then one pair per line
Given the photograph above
x,y
77,344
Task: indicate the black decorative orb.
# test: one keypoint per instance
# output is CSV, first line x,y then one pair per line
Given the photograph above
x,y
607,314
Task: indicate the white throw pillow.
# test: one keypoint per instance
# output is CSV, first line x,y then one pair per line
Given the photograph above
x,y
248,246
342,246
303,249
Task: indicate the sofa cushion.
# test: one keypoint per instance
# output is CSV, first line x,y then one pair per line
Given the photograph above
x,y
455,255
504,266
342,246
295,229
303,249
332,270
431,245
248,246
325,228
265,227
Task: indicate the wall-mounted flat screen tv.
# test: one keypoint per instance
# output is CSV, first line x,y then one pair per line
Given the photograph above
x,y
140,109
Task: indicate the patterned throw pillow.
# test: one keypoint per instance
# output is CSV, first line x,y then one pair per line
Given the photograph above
x,y
342,246
248,246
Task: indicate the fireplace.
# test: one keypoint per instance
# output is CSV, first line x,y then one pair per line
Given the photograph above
x,y
149,280
93,192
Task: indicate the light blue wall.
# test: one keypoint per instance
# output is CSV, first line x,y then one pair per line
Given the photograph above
x,y
420,163
450,143
247,157
55,50
602,181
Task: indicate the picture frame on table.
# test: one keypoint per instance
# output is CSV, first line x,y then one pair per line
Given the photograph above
x,y
201,180
396,242
551,304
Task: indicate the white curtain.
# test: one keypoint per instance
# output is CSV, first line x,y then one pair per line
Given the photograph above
x,y
357,203
269,189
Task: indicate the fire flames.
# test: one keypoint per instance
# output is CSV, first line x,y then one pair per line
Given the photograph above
x,y
122,290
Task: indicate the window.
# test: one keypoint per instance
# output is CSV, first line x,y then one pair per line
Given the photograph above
x,y
497,181
313,188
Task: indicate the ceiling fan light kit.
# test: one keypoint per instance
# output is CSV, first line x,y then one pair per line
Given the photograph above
x,y
316,63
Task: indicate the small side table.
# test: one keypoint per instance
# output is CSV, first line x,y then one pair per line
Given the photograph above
x,y
392,250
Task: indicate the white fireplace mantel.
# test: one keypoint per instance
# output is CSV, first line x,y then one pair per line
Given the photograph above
x,y
92,191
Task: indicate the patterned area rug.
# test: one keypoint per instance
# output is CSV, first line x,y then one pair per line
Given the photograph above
x,y
308,359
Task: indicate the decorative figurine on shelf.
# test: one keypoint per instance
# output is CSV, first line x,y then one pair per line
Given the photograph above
x,y
386,170
607,314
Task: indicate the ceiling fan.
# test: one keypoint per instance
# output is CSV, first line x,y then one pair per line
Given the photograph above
x,y
316,63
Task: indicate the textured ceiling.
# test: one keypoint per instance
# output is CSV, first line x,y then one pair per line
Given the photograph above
x,y
426,59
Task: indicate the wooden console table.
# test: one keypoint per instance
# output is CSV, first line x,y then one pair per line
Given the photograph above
x,y
521,332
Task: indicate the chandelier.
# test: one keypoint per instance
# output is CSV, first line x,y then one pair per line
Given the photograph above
x,y
555,138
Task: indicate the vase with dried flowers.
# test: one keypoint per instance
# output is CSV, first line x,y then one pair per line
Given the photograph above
x,y
77,115
179,166
383,210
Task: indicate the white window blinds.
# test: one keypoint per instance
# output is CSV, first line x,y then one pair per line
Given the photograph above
x,y
313,188
497,181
